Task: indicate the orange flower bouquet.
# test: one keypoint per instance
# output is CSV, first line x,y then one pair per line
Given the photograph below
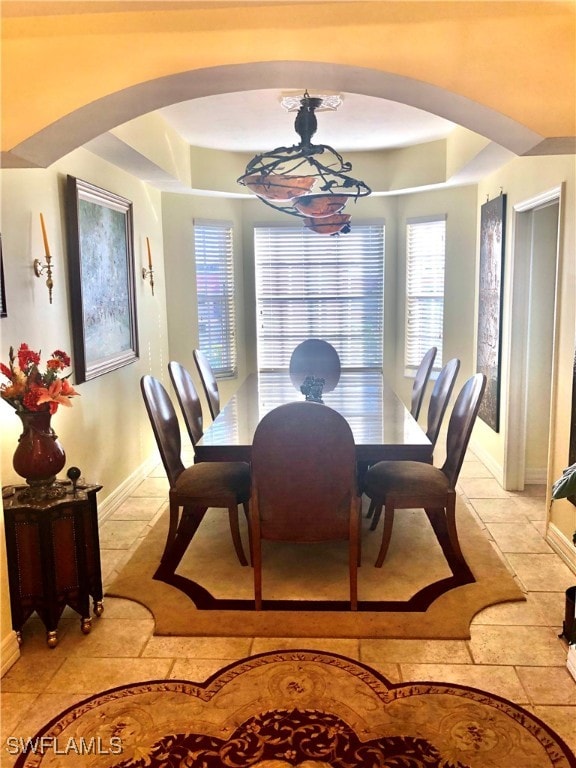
x,y
31,390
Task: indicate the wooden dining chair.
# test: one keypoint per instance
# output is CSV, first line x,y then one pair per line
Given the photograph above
x,y
318,358
421,381
220,484
188,399
304,487
440,397
414,484
209,383
437,406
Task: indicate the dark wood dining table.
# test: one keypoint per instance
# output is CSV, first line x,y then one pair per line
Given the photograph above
x,y
382,425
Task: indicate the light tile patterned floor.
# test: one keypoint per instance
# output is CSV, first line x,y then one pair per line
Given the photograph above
x,y
514,650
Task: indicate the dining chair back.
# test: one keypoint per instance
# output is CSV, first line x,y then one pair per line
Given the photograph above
x,y
440,397
318,358
221,484
304,486
165,426
209,383
421,381
187,396
461,424
414,484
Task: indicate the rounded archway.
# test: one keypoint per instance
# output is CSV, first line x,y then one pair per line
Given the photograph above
x,y
97,117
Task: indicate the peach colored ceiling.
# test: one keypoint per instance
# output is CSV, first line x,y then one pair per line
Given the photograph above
x,y
516,58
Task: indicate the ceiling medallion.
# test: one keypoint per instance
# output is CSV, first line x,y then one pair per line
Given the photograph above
x,y
295,181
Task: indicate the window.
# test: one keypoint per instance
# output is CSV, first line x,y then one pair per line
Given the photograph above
x,y
215,289
425,256
309,286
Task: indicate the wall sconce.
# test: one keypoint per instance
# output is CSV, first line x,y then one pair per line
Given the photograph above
x,y
40,268
149,273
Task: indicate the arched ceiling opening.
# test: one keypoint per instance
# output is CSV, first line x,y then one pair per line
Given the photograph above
x,y
98,117
75,70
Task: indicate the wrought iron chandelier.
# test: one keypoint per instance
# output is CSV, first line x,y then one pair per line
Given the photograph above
x,y
308,180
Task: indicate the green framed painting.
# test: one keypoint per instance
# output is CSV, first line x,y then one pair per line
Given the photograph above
x,y
102,287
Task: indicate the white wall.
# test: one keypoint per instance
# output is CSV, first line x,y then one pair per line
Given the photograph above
x,y
106,432
521,180
459,205
179,212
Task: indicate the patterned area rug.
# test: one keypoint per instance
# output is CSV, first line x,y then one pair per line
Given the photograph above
x,y
300,708
421,591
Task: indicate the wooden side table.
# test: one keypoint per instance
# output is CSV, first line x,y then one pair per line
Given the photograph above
x,y
53,552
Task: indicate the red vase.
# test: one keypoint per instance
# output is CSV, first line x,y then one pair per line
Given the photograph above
x,y
39,456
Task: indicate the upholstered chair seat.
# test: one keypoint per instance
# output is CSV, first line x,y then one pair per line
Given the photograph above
x,y
228,481
405,477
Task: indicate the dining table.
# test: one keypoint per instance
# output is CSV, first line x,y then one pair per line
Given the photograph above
x,y
382,426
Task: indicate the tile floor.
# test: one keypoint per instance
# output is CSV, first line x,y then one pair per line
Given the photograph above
x,y
514,650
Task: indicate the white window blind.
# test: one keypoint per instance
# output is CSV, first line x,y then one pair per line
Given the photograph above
x,y
425,257
309,286
215,289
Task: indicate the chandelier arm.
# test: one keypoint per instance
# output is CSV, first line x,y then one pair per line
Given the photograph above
x,y
349,181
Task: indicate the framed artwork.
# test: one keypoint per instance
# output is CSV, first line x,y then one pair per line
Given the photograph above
x,y
492,226
3,312
102,290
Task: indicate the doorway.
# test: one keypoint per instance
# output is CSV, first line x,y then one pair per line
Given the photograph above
x,y
532,331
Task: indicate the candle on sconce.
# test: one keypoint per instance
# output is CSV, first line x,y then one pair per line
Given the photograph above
x,y
45,237
149,254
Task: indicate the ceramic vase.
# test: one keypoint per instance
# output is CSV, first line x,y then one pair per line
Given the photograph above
x,y
39,456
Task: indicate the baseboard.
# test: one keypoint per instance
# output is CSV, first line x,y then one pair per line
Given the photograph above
x,y
562,546
110,504
536,476
9,652
488,460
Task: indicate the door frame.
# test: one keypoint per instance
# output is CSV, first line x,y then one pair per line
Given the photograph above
x,y
516,412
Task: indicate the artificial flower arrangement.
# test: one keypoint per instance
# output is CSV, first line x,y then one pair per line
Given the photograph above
x,y
30,389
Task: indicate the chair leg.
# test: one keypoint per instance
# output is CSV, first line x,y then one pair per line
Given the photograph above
x,y
235,531
376,514
257,563
443,522
386,534
354,585
451,525
246,508
172,525
354,551
187,527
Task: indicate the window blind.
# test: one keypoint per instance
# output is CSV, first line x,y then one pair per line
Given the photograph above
x,y
425,257
308,286
215,289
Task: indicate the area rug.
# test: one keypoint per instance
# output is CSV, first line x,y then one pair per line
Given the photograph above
x,y
420,592
300,708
